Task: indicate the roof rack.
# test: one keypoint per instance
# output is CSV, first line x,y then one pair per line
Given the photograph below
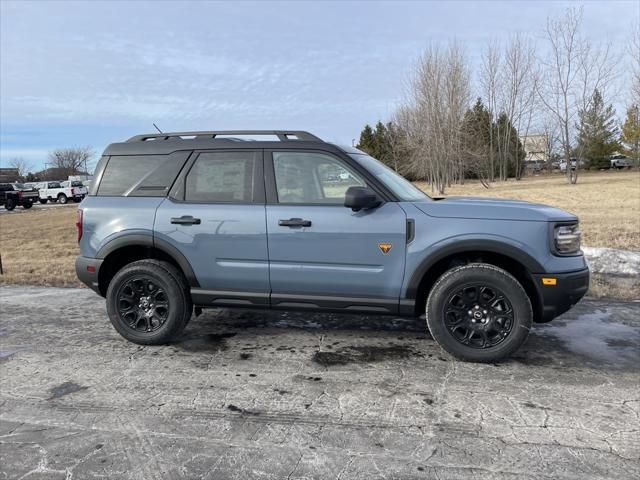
x,y
283,135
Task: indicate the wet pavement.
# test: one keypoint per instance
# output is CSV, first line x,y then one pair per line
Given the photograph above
x,y
246,394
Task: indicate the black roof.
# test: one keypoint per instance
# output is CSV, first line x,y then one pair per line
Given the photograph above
x,y
164,143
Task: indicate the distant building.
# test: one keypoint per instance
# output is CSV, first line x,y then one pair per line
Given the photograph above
x,y
535,147
9,175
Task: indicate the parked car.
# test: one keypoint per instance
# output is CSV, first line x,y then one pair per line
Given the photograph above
x,y
80,190
61,192
213,222
13,195
620,162
535,166
574,161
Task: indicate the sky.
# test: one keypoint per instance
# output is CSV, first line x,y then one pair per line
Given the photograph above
x,y
91,73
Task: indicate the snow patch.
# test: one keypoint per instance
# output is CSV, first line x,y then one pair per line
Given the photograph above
x,y
611,261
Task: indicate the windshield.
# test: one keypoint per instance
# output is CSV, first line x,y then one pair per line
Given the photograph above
x,y
19,186
401,187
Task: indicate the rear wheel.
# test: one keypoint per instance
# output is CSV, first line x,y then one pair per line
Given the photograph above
x,y
479,313
148,302
10,204
43,200
62,198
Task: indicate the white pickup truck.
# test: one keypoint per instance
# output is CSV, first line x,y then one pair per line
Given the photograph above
x,y
61,192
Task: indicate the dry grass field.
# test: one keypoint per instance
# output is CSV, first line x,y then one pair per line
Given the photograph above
x,y
39,246
607,203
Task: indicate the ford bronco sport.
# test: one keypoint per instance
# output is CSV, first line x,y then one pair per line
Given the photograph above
x,y
175,221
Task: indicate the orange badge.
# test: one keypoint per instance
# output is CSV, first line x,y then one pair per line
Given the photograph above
x,y
385,247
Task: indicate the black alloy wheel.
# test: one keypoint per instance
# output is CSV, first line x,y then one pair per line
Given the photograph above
x,y
142,304
479,312
149,302
478,315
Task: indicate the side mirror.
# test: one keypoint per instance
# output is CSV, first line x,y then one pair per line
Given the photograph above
x,y
360,198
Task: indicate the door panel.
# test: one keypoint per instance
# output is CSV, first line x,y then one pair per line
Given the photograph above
x,y
218,223
338,255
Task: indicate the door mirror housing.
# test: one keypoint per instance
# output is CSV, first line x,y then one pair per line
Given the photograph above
x,y
361,198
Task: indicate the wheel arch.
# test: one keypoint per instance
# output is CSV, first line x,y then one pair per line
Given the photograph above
x,y
126,249
512,259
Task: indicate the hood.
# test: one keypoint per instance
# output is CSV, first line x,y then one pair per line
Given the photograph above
x,y
494,209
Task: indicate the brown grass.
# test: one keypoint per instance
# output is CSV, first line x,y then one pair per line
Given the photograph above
x,y
607,203
38,247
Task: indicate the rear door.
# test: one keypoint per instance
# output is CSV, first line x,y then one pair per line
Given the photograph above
x,y
321,254
215,216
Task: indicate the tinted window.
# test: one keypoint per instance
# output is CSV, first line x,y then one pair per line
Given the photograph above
x,y
400,186
141,175
221,177
309,177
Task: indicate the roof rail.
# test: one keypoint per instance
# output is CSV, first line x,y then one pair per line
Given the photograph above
x,y
283,135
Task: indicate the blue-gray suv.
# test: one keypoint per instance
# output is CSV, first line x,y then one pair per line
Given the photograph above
x,y
182,221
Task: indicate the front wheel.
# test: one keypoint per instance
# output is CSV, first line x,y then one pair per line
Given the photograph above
x,y
479,313
148,302
43,200
27,204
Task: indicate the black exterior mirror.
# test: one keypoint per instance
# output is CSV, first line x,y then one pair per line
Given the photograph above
x,y
360,198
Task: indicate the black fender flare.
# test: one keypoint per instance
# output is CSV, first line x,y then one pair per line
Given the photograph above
x,y
147,240
470,245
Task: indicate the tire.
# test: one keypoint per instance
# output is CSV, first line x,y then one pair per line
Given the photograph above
x,y
27,205
62,198
77,199
10,204
130,320
43,200
479,313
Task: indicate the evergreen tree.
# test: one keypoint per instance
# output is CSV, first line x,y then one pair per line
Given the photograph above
x,y
631,133
510,151
597,132
367,140
382,149
476,138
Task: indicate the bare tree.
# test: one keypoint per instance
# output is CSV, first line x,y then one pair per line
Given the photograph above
x,y
508,79
71,161
21,165
634,51
489,80
431,119
574,68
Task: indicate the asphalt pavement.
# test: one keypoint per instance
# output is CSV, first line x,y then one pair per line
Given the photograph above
x,y
245,394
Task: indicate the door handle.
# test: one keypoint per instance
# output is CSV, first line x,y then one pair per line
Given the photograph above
x,y
294,222
185,220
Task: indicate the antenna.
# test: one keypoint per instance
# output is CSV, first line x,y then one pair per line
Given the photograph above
x,y
157,128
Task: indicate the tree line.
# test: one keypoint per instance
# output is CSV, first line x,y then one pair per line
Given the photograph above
x,y
444,131
61,164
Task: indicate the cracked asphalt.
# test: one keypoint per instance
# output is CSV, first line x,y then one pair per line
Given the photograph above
x,y
246,394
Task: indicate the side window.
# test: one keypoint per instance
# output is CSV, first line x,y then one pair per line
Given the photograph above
x,y
310,177
141,175
221,177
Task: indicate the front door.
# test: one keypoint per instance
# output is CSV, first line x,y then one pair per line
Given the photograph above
x,y
215,216
321,254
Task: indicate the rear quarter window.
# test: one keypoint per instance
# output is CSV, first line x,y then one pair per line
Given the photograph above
x,y
140,175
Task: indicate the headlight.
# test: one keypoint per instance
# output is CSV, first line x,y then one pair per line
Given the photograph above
x,y
566,239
